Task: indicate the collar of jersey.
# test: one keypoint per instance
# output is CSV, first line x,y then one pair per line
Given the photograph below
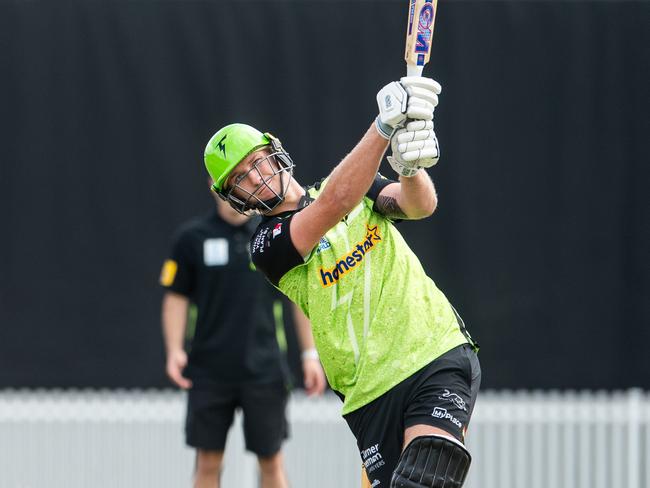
x,y
304,201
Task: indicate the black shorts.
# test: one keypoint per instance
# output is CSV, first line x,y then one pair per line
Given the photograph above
x,y
442,395
210,412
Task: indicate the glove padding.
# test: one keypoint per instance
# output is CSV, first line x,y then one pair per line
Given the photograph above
x,y
413,97
414,147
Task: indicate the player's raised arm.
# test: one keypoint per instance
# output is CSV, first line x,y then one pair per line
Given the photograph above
x,y
414,147
411,98
412,198
347,185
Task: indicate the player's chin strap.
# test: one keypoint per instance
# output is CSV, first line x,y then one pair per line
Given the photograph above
x,y
305,200
432,461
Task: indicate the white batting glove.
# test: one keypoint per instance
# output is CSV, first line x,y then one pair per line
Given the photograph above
x,y
414,147
413,97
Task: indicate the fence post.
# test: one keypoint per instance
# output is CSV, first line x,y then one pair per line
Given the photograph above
x,y
634,424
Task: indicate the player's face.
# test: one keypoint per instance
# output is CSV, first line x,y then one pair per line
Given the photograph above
x,y
256,177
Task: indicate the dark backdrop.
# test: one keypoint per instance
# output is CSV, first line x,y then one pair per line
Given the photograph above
x,y
541,238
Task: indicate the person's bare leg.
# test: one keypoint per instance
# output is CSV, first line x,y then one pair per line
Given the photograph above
x,y
421,429
272,469
208,468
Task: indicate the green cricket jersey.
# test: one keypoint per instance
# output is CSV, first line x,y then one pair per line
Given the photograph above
x,y
377,318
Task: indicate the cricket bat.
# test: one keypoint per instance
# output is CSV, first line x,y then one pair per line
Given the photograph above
x,y
419,32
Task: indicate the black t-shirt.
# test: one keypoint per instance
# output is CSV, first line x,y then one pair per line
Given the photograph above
x,y
235,336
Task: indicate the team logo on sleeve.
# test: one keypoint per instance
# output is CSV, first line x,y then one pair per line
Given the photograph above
x,y
323,244
350,261
168,272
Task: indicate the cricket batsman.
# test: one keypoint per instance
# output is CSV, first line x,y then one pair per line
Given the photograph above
x,y
392,346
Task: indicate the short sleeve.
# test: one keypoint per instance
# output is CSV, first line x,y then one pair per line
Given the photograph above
x,y
179,269
377,186
272,250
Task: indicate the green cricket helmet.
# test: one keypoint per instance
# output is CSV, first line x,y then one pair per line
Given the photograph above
x,y
230,146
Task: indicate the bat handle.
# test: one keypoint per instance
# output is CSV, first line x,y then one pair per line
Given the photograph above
x,y
414,70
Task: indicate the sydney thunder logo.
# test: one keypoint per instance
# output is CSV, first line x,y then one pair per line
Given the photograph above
x,y
352,259
222,146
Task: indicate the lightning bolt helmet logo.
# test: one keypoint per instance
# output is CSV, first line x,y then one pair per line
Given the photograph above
x,y
222,146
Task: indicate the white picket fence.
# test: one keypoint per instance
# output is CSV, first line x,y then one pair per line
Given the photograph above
x,y
71,439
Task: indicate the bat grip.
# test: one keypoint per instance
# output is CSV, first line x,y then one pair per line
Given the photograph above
x,y
414,70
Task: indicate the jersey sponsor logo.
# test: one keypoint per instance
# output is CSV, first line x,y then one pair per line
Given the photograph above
x,y
277,230
441,413
455,399
323,244
258,243
168,272
350,261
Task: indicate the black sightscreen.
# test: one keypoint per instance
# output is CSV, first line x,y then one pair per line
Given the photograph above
x,y
541,237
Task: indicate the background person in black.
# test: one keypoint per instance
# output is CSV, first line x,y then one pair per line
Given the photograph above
x,y
234,359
